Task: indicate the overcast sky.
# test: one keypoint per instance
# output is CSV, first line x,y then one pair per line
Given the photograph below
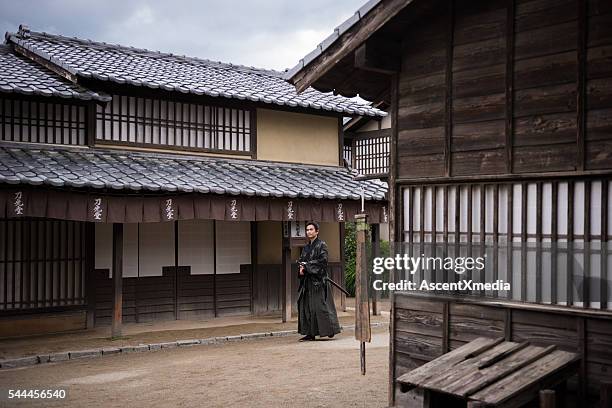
x,y
261,33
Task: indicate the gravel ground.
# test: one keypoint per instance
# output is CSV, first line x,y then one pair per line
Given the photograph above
x,y
268,372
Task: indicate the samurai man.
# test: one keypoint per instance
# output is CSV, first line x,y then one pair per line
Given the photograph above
x,y
316,308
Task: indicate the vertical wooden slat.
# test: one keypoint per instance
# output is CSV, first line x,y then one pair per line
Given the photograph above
x,y
524,247
586,295
22,263
64,265
74,262
3,121
495,235
46,244
445,230
570,243
510,238
5,225
13,261
411,202
539,215
36,251
581,92
553,242
448,120
483,225
457,226
434,228
422,227
12,135
29,118
604,245
469,226
509,125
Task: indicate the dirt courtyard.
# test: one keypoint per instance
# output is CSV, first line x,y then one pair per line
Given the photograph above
x,y
267,372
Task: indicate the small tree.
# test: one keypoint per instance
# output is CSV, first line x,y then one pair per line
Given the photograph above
x,y
350,249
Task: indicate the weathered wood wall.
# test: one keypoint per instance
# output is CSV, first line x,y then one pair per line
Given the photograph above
x,y
158,297
506,86
426,327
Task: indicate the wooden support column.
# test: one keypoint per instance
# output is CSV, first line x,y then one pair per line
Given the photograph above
x,y
117,280
342,265
286,276
90,273
547,399
252,278
375,253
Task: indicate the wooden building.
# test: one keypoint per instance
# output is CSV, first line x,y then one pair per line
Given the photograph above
x,y
501,139
137,185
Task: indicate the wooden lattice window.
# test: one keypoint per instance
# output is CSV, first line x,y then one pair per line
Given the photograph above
x,y
143,121
42,122
42,264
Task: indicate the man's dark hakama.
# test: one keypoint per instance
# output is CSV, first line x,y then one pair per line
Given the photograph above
x,y
317,311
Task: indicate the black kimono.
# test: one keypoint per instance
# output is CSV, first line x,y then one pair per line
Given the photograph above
x,y
316,308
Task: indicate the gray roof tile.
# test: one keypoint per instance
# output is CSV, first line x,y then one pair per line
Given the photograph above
x,y
119,64
135,171
19,75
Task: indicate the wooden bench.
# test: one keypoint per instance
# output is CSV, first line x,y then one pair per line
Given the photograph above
x,y
489,373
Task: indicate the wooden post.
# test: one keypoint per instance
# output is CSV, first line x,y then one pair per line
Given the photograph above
x,y
342,265
547,399
117,279
90,273
286,275
605,395
363,331
254,250
375,253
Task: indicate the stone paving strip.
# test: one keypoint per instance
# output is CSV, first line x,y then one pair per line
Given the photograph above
x,y
99,352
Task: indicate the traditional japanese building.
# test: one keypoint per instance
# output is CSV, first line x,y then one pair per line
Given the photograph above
x,y
501,143
137,185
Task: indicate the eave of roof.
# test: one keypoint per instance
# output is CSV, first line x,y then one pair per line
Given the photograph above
x,y
130,171
349,35
19,75
179,73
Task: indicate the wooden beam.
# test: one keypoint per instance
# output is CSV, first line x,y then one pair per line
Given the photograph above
x,y
347,42
117,280
45,63
375,253
393,224
381,57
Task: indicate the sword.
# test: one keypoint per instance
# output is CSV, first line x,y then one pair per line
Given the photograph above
x,y
339,287
332,282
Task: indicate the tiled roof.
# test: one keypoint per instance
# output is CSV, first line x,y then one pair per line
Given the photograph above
x,y
135,171
326,43
140,67
22,76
